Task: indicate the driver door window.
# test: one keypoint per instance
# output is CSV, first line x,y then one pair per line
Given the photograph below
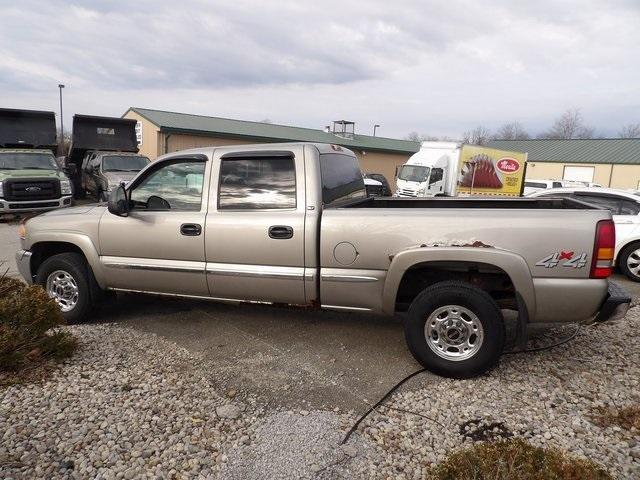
x,y
176,186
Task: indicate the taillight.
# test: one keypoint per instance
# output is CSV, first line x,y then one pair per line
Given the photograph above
x,y
602,263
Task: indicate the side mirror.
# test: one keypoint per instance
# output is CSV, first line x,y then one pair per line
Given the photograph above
x,y
71,169
118,202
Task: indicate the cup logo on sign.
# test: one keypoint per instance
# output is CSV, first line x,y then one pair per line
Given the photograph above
x,y
508,165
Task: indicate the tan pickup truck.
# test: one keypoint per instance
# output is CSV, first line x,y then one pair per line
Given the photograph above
x,y
290,223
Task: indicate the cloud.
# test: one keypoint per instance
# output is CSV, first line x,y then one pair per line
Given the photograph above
x,y
435,67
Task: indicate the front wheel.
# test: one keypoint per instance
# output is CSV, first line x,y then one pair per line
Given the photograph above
x,y
455,330
629,261
67,279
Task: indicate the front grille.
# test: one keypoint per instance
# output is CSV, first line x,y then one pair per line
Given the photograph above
x,y
20,206
405,192
31,189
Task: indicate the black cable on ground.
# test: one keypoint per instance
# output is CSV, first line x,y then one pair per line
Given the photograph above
x,y
408,377
378,403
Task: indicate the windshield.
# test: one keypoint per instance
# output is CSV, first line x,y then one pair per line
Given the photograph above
x,y
27,161
123,163
413,173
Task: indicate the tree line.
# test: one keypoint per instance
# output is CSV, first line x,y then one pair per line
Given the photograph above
x,y
569,125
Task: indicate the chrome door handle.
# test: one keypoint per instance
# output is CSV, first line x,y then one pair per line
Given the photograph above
x,y
280,232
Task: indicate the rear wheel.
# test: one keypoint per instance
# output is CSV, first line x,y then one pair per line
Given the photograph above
x,y
455,330
629,261
68,280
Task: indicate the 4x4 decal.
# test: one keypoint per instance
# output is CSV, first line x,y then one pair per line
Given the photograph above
x,y
572,260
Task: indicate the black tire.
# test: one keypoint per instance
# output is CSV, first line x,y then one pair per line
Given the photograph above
x,y
476,301
623,256
74,265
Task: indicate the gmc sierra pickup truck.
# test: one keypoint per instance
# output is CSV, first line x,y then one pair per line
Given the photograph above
x,y
290,223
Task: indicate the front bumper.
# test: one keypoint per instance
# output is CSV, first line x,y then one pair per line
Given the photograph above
x,y
615,305
23,260
9,206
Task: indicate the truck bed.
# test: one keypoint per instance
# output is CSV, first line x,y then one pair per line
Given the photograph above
x,y
471,202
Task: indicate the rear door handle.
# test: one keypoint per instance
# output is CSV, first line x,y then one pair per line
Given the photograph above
x,y
280,232
190,229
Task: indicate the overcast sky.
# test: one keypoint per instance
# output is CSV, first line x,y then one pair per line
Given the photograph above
x,y
434,67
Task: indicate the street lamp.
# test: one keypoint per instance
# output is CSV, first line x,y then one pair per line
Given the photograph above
x,y
61,147
374,129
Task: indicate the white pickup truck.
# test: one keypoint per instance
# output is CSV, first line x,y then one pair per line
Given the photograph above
x,y
290,223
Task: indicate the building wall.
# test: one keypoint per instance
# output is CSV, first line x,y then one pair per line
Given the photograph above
x,y
384,163
607,175
180,141
150,136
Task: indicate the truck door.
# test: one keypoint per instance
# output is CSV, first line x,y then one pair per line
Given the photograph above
x,y
436,182
254,237
159,247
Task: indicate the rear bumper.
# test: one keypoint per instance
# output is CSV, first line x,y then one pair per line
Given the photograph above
x,y
23,261
615,305
10,206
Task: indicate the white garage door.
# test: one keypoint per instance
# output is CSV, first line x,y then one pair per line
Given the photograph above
x,y
578,174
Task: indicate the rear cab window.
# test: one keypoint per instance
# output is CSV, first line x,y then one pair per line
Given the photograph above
x,y
341,179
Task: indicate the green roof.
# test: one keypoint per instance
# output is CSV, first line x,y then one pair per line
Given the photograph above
x,y
601,150
266,132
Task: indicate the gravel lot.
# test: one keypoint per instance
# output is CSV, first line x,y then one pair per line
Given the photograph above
x,y
131,404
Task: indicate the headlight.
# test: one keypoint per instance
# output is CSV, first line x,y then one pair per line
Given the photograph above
x,y
1,191
65,187
422,191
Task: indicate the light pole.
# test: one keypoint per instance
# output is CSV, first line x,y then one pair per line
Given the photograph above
x,y
61,147
374,129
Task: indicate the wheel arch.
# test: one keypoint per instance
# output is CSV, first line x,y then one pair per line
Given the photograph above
x,y
458,262
62,242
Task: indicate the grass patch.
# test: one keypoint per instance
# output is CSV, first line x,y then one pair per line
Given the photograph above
x,y
627,417
30,337
514,459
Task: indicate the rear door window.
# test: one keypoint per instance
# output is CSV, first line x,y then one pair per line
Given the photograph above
x,y
260,183
628,207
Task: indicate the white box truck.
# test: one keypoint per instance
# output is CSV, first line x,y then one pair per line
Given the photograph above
x,y
449,169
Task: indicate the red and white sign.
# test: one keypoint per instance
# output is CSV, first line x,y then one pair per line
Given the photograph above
x,y
508,165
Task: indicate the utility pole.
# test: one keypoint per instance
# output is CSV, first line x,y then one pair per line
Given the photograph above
x,y
61,144
374,129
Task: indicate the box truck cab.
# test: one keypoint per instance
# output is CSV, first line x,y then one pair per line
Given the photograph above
x,y
431,172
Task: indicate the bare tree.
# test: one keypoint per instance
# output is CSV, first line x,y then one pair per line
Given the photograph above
x,y
420,137
569,125
478,136
511,131
631,130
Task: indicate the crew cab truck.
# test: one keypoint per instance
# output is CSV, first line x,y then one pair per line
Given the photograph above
x,y
30,178
290,223
103,154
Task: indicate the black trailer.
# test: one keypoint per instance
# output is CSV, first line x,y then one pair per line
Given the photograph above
x,y
93,133
27,129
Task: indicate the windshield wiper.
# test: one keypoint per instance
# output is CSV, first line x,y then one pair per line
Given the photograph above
x,y
36,168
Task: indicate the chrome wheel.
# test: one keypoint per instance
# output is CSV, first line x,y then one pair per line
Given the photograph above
x,y
62,287
454,332
633,262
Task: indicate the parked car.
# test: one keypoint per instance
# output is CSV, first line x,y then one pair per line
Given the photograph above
x,y
625,209
290,223
532,186
103,171
372,187
386,188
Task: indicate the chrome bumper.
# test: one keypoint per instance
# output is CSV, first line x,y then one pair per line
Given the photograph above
x,y
23,260
9,206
